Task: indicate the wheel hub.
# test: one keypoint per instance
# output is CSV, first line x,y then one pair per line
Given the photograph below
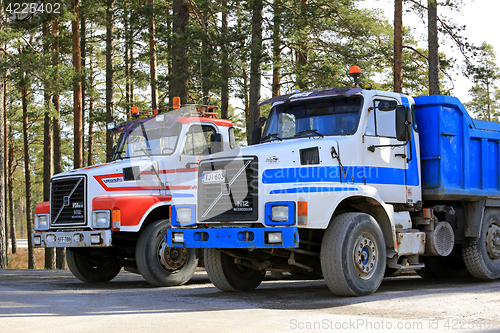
x,y
172,258
493,241
365,256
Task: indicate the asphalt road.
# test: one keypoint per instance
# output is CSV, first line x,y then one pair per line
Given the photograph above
x,y
54,301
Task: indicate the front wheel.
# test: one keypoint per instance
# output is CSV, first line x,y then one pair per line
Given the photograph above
x,y
160,265
89,269
353,255
227,275
482,254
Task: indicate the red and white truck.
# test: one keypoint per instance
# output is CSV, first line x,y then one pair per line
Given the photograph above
x,y
116,214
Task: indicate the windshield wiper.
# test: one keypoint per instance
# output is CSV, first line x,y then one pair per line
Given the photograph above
x,y
118,154
309,131
271,136
147,151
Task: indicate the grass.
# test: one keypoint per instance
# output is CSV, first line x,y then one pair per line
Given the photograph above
x,y
19,260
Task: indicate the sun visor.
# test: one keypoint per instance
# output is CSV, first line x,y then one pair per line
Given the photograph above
x,y
342,91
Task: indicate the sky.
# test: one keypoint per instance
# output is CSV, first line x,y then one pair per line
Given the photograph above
x,y
481,19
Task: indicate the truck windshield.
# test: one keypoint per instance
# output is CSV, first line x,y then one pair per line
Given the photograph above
x,y
146,139
337,116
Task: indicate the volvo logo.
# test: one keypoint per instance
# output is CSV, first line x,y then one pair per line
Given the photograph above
x,y
66,200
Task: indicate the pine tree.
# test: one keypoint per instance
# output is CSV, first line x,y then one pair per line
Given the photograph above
x,y
3,229
255,67
398,46
485,103
110,108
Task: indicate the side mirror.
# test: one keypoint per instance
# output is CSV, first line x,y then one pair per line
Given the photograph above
x,y
403,123
256,135
216,143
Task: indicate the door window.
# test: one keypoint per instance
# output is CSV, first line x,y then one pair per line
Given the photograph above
x,y
198,140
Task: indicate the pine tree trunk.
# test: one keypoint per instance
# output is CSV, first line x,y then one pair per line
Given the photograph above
x,y
13,235
398,46
246,94
276,89
180,75
83,80
205,71
77,89
224,94
5,165
126,27
90,145
60,252
50,253
3,229
152,57
433,48
27,174
132,62
110,113
255,67
303,50
169,48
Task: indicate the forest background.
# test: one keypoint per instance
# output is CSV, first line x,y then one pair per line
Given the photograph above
x,y
69,67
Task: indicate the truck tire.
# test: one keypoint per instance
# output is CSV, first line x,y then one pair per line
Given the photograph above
x,y
160,265
482,254
353,255
226,275
81,266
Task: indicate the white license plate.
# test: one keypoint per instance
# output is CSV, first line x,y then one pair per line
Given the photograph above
x,y
217,176
64,239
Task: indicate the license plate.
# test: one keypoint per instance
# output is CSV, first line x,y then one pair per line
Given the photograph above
x,y
64,239
217,176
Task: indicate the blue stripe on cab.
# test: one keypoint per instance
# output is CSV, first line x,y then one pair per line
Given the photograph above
x,y
318,174
313,190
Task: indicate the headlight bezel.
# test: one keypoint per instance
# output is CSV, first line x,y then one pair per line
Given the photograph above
x,y
183,215
38,222
98,216
284,208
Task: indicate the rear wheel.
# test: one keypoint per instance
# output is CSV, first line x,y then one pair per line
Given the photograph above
x,y
88,268
227,275
353,255
482,255
160,265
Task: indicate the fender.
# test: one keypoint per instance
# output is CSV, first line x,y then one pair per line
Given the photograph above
x,y
42,208
133,209
373,205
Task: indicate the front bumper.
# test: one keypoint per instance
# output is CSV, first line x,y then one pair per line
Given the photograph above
x,y
234,238
78,238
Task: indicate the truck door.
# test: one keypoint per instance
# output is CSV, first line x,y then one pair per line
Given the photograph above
x,y
384,156
196,145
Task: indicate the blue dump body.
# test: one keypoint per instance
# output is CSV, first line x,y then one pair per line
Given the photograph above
x,y
460,156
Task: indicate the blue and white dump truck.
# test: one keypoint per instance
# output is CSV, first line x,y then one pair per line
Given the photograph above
x,y
345,183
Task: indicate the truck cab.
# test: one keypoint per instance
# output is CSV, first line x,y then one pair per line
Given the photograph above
x,y
348,184
115,215
327,161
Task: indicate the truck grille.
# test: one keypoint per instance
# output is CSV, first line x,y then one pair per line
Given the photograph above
x,y
68,202
235,197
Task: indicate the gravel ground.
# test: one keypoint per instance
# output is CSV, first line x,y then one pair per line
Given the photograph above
x,y
54,301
